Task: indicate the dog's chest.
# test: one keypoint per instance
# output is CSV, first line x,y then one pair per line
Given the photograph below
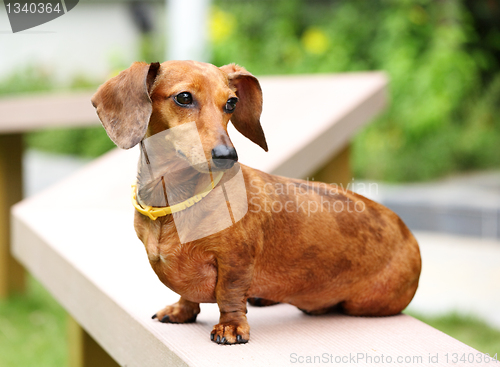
x,y
188,271
187,268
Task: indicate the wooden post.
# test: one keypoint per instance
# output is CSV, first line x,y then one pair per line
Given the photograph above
x,y
337,170
83,349
12,275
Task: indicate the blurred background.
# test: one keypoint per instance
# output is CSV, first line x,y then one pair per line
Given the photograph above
x,y
435,150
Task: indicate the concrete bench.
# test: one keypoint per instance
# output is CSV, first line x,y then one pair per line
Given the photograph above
x,y
77,238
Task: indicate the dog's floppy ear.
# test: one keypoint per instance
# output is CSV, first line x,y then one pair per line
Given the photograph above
x,y
123,103
246,116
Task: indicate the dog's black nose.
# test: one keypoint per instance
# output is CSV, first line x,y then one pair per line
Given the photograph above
x,y
224,157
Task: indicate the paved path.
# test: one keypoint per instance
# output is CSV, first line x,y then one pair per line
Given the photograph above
x,y
466,204
460,273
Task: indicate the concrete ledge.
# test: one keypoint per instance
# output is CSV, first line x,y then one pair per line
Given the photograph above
x,y
77,238
36,111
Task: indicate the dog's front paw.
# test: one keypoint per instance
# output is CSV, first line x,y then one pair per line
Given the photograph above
x,y
230,333
181,312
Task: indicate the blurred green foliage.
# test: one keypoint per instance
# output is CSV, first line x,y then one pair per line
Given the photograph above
x,y
442,58
29,79
84,141
33,79
444,90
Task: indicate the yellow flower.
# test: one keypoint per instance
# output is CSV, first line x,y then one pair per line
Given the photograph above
x,y
221,25
315,41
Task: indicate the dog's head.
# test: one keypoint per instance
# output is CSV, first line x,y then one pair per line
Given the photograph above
x,y
146,99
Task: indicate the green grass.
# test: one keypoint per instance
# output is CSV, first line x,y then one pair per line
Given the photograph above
x,y
32,330
467,329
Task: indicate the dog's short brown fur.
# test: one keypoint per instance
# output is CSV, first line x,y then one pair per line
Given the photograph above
x,y
360,262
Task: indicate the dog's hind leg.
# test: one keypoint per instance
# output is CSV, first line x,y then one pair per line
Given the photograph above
x,y
182,312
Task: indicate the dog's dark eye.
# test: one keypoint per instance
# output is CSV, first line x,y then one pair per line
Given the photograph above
x,y
231,104
184,98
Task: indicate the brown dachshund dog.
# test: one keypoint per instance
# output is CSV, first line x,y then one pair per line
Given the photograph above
x,y
362,261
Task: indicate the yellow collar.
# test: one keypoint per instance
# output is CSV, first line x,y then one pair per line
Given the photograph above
x,y
155,212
